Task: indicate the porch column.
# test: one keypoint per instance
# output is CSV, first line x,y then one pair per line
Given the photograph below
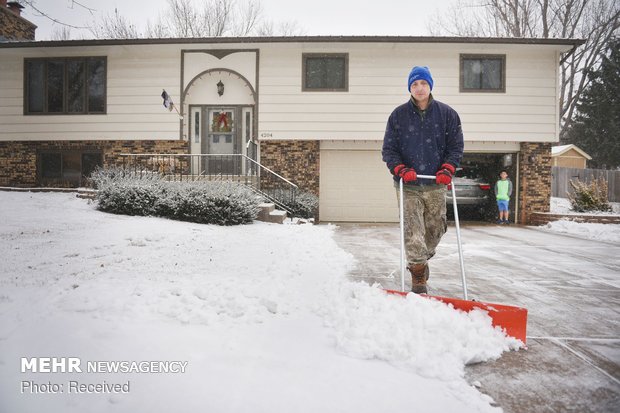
x,y
534,179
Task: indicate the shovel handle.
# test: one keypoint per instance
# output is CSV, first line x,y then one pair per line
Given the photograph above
x,y
458,235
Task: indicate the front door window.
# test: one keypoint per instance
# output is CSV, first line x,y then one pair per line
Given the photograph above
x,y
222,131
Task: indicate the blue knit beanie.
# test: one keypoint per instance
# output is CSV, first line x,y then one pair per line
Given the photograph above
x,y
420,72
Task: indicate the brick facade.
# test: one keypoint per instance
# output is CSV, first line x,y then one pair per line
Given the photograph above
x,y
19,160
542,218
13,26
534,179
297,161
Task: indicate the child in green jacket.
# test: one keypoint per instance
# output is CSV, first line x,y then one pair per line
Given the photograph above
x,y
503,190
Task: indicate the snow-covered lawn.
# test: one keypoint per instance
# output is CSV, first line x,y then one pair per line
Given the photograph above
x,y
262,314
600,232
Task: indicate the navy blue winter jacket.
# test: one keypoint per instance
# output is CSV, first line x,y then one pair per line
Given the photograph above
x,y
423,140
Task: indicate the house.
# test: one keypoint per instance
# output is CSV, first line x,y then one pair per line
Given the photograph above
x,y
311,110
569,156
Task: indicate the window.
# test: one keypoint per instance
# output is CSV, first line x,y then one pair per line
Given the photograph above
x,y
483,73
325,72
68,168
65,86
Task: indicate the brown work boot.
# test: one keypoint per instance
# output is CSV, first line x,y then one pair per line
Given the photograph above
x,y
419,276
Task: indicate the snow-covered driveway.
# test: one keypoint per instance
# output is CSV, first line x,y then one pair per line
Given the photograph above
x,y
570,284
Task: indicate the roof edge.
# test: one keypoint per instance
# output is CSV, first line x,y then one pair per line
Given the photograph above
x,y
296,39
20,17
568,148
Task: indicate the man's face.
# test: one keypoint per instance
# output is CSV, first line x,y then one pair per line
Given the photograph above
x,y
420,90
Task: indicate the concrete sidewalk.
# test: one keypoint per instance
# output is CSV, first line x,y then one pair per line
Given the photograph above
x,y
570,286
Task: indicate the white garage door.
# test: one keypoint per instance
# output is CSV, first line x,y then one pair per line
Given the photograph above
x,y
355,184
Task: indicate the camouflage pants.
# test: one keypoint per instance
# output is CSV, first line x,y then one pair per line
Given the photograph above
x,y
425,223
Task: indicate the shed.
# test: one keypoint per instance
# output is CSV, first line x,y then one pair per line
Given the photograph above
x,y
569,156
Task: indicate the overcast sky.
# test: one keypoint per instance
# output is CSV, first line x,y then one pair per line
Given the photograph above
x,y
316,17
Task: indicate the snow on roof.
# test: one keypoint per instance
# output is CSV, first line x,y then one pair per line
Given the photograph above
x,y
561,149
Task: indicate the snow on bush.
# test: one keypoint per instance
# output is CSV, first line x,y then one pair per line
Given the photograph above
x,y
589,197
220,203
304,205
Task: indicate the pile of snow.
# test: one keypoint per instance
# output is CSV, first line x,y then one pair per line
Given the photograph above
x,y
263,315
424,335
587,230
593,231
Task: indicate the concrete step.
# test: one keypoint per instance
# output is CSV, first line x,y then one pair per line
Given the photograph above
x,y
86,193
269,213
278,216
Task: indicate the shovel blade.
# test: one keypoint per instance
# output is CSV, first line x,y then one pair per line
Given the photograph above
x,y
513,320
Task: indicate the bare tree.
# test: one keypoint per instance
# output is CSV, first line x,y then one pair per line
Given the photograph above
x,y
115,26
290,28
247,17
208,18
71,4
213,18
287,28
593,20
61,33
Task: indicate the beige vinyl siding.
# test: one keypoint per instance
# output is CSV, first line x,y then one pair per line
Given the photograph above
x,y
377,84
136,76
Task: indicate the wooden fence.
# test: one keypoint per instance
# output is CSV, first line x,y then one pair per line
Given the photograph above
x,y
561,177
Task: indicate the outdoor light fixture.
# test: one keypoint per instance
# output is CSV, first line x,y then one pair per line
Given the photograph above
x,y
220,88
507,160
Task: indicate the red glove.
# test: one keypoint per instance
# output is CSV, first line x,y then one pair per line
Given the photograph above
x,y
407,174
444,174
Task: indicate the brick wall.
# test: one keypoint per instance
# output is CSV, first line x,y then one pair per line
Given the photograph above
x,y
13,27
18,160
297,161
542,218
535,179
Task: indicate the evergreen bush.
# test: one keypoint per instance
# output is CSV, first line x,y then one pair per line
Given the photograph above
x,y
219,203
304,205
589,197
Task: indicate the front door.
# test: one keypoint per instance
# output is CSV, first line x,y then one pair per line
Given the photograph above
x,y
221,134
222,142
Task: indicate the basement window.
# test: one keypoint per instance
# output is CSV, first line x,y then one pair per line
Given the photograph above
x,y
68,86
483,73
67,168
326,72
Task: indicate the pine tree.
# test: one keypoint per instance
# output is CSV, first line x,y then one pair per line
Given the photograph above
x,y
596,129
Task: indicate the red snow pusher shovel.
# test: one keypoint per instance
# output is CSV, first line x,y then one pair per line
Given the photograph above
x,y
513,320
